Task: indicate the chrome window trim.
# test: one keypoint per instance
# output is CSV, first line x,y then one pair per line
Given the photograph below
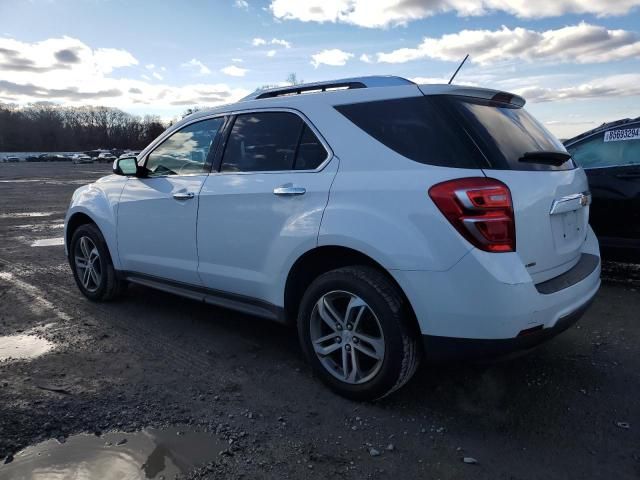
x,y
330,154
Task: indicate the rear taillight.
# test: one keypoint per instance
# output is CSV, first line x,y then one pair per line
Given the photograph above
x,y
480,209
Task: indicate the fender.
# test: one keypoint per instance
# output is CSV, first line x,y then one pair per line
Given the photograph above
x,y
99,201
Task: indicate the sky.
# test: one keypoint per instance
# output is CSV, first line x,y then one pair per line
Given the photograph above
x,y
576,62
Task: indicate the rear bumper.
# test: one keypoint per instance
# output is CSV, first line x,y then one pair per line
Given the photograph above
x,y
447,349
491,299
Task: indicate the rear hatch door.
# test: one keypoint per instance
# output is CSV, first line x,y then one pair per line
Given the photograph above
x,y
550,195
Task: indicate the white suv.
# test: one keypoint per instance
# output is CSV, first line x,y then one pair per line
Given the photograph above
x,y
389,221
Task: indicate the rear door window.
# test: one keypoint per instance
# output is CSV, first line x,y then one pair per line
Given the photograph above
x,y
612,148
263,141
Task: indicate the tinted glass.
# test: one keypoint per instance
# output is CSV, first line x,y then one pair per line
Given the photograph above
x,y
262,142
311,153
417,128
617,150
185,152
505,133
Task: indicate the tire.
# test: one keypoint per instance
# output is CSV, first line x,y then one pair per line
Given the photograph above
x,y
394,353
104,285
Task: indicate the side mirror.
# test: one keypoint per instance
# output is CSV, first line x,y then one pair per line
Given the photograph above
x,y
127,166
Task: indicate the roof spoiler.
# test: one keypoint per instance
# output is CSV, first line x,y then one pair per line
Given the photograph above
x,y
473,92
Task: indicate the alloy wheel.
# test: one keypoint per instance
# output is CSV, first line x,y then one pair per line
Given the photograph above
x,y
87,261
347,337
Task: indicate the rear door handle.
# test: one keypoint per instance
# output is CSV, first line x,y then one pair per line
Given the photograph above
x,y
289,190
183,195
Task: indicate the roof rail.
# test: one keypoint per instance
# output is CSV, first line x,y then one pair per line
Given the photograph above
x,y
341,84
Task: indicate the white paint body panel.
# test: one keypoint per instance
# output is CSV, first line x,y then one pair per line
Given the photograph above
x,y
99,201
156,232
248,238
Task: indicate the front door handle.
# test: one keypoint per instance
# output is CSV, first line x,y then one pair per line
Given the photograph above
x,y
289,190
183,195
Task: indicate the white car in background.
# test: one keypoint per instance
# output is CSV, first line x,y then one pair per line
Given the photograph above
x,y
81,158
106,157
388,221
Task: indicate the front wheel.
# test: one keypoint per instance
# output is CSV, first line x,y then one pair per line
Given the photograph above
x,y
92,266
354,328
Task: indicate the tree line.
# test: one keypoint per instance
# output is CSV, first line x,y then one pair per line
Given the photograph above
x,y
46,127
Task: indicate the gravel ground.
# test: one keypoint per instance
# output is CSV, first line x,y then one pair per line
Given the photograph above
x,y
568,409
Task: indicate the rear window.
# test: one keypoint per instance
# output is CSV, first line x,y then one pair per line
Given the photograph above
x,y
460,132
505,132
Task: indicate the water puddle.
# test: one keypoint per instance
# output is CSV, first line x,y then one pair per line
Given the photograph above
x,y
27,214
48,242
18,347
149,453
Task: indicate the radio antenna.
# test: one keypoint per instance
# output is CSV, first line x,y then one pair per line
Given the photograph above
x,y
458,69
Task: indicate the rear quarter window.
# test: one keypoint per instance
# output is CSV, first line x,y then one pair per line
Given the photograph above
x,y
416,128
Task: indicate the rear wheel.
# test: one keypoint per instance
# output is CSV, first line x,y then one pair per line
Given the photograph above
x,y
92,266
354,329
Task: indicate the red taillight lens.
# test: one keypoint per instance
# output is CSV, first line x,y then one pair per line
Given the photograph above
x,y
480,209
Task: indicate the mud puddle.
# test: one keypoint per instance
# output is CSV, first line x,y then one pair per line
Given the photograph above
x,y
149,453
28,214
48,242
23,346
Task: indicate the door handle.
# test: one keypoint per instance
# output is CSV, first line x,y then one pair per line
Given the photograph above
x,y
183,195
289,190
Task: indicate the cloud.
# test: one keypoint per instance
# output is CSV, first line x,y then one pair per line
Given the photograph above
x,y
582,43
234,71
366,58
279,41
624,85
67,55
71,93
333,57
241,4
259,42
383,13
271,53
60,54
197,64
66,70
237,60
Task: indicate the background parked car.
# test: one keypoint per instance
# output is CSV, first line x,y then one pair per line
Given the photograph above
x,y
11,159
106,157
82,158
610,155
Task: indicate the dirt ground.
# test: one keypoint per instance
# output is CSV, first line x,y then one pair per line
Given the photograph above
x,y
569,409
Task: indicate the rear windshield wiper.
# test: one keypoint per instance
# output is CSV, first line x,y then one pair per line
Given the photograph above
x,y
545,157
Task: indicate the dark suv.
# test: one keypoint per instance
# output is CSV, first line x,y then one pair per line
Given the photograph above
x,y
610,155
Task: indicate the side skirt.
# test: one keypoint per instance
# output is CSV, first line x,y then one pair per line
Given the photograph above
x,y
232,301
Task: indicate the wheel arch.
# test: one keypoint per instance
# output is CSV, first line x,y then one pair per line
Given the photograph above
x,y
322,259
82,217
